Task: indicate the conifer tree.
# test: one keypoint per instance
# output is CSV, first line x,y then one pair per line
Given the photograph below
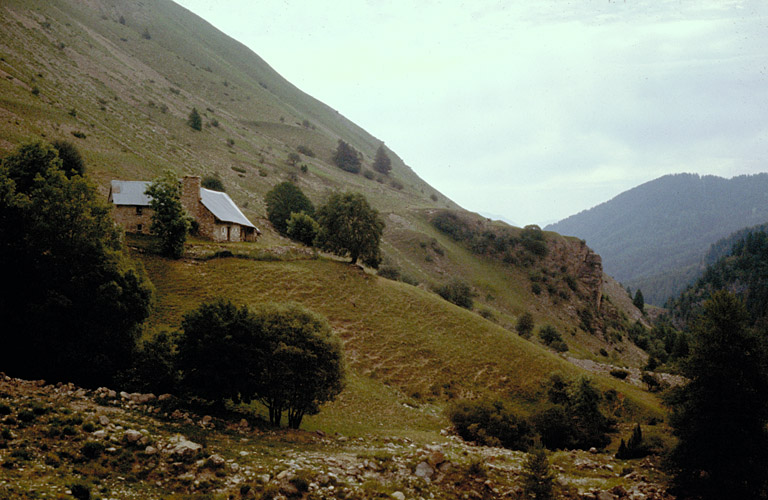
x,y
720,416
538,478
195,120
382,163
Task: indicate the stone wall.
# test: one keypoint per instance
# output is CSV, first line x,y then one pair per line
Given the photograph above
x,y
129,217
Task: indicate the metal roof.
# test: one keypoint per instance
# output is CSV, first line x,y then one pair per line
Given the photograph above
x,y
223,208
129,193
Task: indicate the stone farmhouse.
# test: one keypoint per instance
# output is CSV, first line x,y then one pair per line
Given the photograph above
x,y
217,216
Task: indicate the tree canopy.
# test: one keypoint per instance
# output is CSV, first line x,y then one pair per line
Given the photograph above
x,y
283,200
170,222
284,356
347,157
349,226
720,416
72,301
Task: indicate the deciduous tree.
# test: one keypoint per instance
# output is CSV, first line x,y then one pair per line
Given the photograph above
x,y
349,226
283,200
72,300
170,222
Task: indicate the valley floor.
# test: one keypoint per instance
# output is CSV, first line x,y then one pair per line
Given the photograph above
x,y
59,441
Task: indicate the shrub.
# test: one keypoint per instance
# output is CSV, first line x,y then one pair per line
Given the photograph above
x,y
634,447
525,325
80,491
396,184
302,228
306,151
92,449
293,158
536,288
619,373
368,174
213,182
549,335
490,423
458,292
389,272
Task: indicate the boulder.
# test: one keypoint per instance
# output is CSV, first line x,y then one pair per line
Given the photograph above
x,y
424,470
132,436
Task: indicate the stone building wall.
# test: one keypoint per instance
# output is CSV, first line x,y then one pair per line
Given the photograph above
x,y
133,218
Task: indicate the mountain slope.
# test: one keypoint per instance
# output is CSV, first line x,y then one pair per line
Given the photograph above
x,y
653,237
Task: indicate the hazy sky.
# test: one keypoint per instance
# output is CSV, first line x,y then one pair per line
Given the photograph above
x,y
532,110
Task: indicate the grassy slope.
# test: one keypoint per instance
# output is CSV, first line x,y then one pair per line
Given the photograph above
x,y
403,344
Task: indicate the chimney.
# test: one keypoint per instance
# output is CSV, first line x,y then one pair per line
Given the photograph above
x,y
190,194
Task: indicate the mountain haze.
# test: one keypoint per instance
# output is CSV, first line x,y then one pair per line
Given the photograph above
x,y
654,236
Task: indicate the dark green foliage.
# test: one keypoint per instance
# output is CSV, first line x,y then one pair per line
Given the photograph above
x,y
382,163
170,222
525,325
304,365
154,367
745,270
306,151
538,477
389,272
552,338
720,416
146,36
349,226
194,120
283,200
92,449
490,423
635,447
213,182
638,301
347,158
68,285
619,373
532,239
293,158
302,228
71,160
458,292
285,357
574,419
482,238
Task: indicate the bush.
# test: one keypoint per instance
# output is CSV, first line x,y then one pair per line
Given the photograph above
x,y
389,272
302,228
525,325
194,120
490,423
368,174
349,226
619,373
549,335
306,151
634,447
92,449
213,182
458,292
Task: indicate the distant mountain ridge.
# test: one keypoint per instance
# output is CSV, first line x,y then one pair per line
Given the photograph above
x,y
654,236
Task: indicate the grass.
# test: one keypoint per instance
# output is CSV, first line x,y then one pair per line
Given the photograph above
x,y
403,345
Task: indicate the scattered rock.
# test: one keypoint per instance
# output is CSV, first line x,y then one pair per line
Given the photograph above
x,y
423,470
132,436
398,495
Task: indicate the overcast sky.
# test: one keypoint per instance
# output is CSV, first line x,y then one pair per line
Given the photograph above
x,y
531,110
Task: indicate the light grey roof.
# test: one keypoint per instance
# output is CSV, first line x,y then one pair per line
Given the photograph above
x,y
129,193
222,206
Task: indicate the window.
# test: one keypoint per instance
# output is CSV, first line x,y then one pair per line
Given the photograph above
x,y
139,210
139,228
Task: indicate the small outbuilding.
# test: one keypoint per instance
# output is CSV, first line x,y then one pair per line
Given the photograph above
x,y
217,216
